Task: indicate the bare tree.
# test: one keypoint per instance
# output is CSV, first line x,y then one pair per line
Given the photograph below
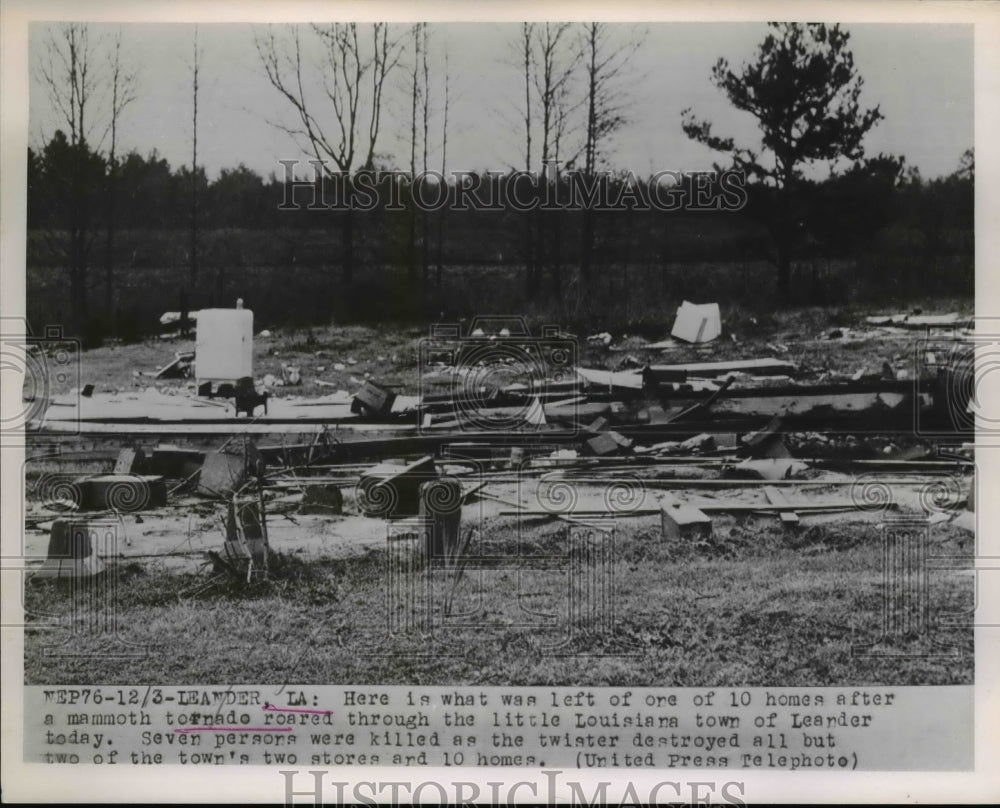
x,y
68,70
425,109
330,107
556,61
123,82
195,64
415,94
606,63
444,165
527,35
523,48
555,57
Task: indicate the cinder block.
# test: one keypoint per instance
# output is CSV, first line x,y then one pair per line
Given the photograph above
x,y
608,443
125,493
324,499
373,399
172,461
72,553
680,521
390,490
441,509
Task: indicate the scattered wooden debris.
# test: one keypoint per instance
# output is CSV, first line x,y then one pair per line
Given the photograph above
x,y
179,368
775,497
655,374
246,544
766,442
131,460
783,468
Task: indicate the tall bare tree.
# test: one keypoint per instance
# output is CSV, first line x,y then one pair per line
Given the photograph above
x,y
524,60
444,165
555,58
524,43
195,65
425,109
68,70
606,62
123,82
415,94
337,106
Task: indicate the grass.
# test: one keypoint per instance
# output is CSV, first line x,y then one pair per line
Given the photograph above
x,y
756,607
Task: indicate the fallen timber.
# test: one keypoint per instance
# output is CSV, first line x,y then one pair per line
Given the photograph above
x,y
358,444
863,405
706,506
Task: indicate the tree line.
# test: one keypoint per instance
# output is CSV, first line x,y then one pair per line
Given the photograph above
x,y
88,205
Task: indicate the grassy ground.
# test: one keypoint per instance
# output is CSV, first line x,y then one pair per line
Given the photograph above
x,y
756,607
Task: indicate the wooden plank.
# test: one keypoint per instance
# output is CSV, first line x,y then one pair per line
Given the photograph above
x,y
775,497
708,506
714,369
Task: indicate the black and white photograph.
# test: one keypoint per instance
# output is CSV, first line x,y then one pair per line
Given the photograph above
x,y
420,357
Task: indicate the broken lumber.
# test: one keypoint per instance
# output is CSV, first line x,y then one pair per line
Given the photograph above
x,y
769,468
654,374
775,497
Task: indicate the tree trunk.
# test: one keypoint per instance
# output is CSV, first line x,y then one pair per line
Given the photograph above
x,y
587,246
78,294
556,241
784,262
347,246
109,255
440,246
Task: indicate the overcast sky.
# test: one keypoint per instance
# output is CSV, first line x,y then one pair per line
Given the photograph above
x,y
921,76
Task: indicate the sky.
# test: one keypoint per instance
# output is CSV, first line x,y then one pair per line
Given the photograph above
x,y
920,76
